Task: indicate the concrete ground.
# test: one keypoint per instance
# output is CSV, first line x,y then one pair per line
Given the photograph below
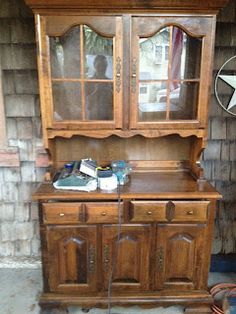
x,y
20,289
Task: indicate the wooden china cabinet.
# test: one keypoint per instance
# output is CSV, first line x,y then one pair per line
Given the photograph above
x,y
127,80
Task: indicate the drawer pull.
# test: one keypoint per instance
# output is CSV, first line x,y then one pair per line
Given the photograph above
x,y
103,213
149,213
190,212
61,214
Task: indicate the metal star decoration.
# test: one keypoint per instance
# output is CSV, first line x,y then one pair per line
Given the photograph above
x,y
230,80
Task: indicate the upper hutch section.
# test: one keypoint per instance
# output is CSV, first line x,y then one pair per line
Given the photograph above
x,y
125,67
171,5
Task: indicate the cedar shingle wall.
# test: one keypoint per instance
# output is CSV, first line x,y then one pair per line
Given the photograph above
x,y
18,215
219,158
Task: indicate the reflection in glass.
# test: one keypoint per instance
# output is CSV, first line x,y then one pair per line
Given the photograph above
x,y
169,56
154,55
67,101
99,101
65,54
152,101
183,101
96,48
186,55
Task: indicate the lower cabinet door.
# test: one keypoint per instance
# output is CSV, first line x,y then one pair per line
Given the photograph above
x,y
179,256
128,255
72,258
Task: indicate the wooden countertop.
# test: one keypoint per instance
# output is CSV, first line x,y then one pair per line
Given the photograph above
x,y
159,185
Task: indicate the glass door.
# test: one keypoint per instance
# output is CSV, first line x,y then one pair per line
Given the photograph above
x,y
166,67
86,74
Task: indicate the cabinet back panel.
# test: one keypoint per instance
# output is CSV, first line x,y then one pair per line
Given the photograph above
x,y
168,148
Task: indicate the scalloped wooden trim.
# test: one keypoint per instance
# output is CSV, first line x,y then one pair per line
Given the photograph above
x,y
125,134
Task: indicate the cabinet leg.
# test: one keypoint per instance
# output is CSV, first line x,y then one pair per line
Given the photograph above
x,y
198,310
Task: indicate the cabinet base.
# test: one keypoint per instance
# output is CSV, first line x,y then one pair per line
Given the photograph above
x,y
194,302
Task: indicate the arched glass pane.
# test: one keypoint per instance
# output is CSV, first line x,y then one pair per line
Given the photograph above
x,y
65,54
98,53
185,55
169,72
98,60
154,56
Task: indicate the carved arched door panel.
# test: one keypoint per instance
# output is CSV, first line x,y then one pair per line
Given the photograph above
x,y
72,259
133,259
180,257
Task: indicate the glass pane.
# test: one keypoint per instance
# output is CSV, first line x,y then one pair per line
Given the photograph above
x,y
99,101
154,55
152,101
98,55
65,54
184,100
186,55
67,100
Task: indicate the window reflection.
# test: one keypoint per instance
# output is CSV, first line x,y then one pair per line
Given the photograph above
x,y
65,54
67,100
169,60
99,95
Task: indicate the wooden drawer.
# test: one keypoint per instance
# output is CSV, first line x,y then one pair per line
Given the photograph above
x,y
62,213
168,211
147,211
190,211
102,212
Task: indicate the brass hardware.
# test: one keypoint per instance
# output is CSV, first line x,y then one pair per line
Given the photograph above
x,y
61,214
190,212
118,74
149,213
134,75
103,213
170,211
106,253
83,213
160,259
91,259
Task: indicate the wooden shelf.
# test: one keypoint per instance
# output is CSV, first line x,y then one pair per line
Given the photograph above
x,y
169,185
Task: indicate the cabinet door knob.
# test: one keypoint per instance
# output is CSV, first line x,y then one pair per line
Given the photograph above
x,y
190,212
149,213
61,214
103,213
